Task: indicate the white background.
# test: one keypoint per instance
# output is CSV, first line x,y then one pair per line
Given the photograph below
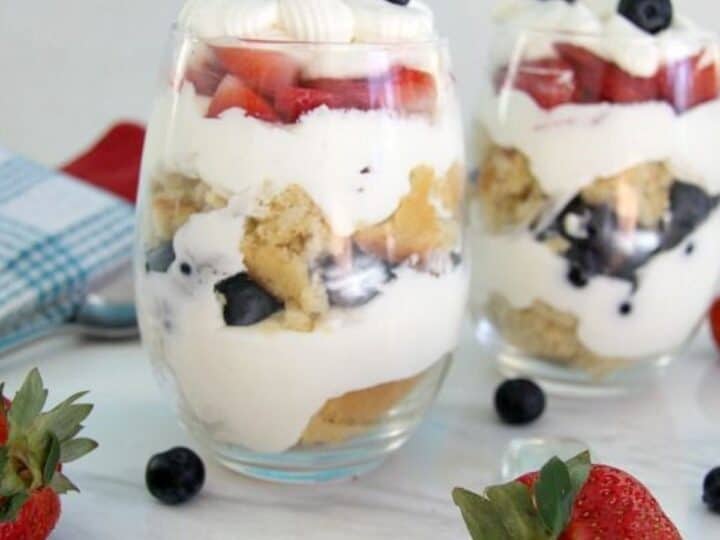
x,y
68,68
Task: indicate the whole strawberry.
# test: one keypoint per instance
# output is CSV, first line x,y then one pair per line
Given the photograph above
x,y
714,316
33,445
567,501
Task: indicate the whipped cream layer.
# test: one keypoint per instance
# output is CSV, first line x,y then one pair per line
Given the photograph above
x,y
337,21
259,386
532,29
569,147
674,291
354,164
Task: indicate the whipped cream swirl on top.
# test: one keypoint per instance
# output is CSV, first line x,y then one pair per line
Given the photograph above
x,y
336,21
596,25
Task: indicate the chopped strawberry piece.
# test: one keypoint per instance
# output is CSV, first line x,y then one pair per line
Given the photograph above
x,y
689,82
205,74
621,87
266,72
714,316
292,103
402,89
232,92
589,71
362,94
414,91
550,82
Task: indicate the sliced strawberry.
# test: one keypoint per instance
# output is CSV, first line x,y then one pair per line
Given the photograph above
x,y
362,94
232,92
414,91
687,83
292,103
621,87
266,72
589,71
205,73
550,82
402,89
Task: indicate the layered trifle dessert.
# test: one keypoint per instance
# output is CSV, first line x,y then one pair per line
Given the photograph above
x,y
301,268
595,212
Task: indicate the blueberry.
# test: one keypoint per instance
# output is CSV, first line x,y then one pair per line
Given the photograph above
x,y
711,490
519,401
653,16
186,269
577,277
399,2
690,205
356,282
160,258
598,245
245,302
626,308
175,476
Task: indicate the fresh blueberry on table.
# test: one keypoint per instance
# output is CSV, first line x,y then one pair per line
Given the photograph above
x,y
160,258
519,401
175,476
653,16
186,269
711,490
399,2
245,302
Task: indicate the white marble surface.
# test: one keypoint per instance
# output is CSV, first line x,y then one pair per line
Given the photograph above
x,y
668,435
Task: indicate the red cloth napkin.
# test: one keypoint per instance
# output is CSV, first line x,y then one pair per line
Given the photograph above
x,y
113,163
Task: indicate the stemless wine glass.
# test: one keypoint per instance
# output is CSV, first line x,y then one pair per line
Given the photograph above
x,y
595,214
301,272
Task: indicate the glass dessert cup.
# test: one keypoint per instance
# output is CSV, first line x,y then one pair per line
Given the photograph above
x,y
595,214
300,259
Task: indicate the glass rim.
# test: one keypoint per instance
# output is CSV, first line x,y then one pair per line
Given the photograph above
x,y
704,36
436,41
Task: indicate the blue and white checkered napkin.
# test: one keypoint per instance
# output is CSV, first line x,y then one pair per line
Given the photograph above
x,y
57,236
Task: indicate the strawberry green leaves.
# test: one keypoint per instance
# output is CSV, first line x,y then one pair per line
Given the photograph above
x,y
11,506
514,512
51,459
28,402
38,443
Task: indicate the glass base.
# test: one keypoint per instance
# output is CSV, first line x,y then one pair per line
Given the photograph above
x,y
329,462
307,467
567,381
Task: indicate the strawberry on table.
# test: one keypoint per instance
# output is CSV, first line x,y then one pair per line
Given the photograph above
x,y
714,316
34,446
233,92
550,82
265,72
566,501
